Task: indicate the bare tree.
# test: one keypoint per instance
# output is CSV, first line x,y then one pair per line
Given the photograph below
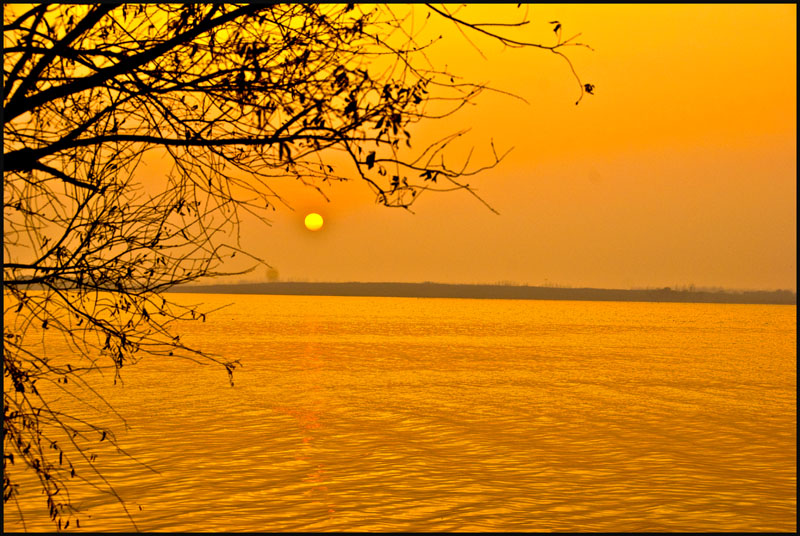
x,y
234,96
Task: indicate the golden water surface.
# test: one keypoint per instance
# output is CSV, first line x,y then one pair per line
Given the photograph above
x,y
404,414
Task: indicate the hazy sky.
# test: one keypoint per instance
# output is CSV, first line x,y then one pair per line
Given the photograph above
x,y
681,169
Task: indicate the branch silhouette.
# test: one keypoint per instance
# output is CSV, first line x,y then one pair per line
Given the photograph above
x,y
232,97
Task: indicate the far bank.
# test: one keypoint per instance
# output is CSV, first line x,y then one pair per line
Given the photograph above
x,y
502,292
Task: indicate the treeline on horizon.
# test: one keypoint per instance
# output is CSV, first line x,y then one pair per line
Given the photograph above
x,y
514,292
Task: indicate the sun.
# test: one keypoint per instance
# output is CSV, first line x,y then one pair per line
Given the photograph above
x,y
313,222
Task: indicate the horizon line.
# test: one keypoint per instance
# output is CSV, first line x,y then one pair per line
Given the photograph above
x,y
496,292
688,288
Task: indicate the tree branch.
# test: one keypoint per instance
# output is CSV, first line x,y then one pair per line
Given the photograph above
x,y
18,107
30,80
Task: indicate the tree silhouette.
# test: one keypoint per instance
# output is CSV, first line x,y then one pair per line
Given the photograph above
x,y
233,96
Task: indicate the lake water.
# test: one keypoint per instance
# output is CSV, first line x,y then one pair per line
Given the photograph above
x,y
404,414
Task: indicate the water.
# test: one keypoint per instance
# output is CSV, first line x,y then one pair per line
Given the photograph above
x,y
403,414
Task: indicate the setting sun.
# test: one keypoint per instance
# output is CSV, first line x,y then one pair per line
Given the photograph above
x,y
313,222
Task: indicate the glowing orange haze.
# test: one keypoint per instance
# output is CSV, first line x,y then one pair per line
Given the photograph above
x,y
680,169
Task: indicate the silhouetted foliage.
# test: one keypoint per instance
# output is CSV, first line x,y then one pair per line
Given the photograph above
x,y
232,96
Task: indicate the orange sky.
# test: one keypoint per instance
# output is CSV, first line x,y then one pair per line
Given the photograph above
x,y
681,169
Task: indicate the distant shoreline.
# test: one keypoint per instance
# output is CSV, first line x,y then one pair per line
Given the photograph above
x,y
497,292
